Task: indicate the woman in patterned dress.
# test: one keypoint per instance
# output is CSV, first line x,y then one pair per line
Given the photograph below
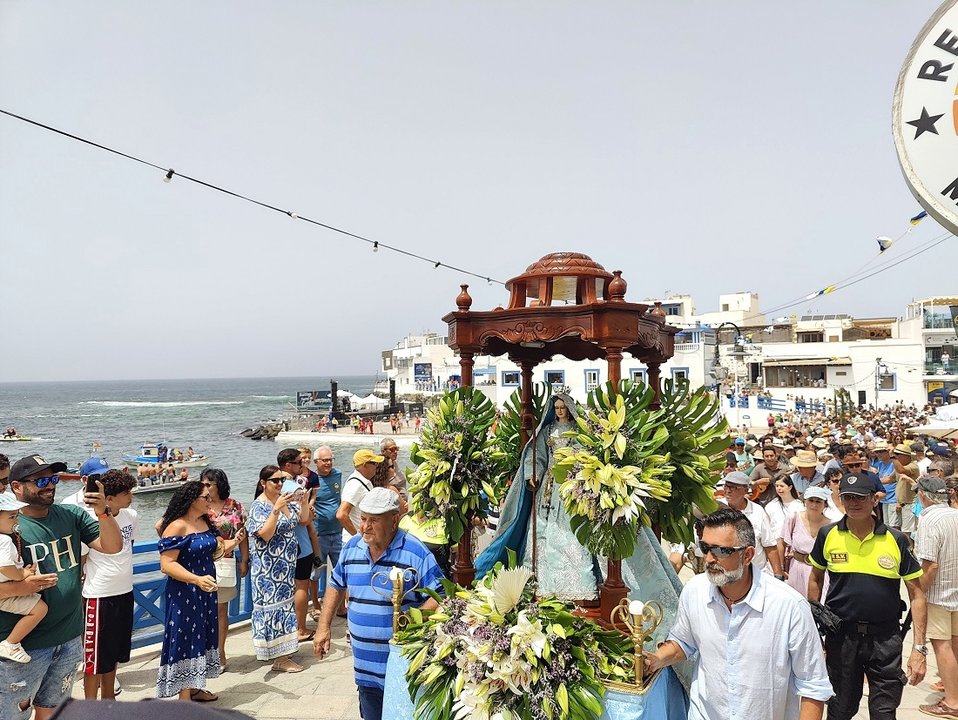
x,y
272,522
229,520
190,655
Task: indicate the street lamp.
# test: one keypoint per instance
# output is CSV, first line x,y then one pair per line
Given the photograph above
x,y
720,373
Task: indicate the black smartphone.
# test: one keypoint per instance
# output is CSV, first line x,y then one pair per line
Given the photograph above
x,y
91,483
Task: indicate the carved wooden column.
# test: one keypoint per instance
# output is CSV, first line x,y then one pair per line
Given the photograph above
x,y
614,589
527,419
613,359
656,382
465,367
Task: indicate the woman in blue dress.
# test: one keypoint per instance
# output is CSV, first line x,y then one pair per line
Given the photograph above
x,y
188,542
271,527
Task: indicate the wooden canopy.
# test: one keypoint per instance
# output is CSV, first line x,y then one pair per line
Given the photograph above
x,y
593,322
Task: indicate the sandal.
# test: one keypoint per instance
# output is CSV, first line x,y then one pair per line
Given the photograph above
x,y
938,686
940,710
203,696
287,665
307,637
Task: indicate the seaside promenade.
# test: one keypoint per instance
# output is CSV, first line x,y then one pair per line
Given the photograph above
x,y
325,690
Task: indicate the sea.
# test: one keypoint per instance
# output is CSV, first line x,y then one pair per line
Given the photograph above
x,y
65,419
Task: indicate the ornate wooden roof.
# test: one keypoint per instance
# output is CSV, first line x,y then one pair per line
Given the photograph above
x,y
595,317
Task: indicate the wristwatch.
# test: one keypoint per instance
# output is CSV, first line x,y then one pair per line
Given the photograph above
x,y
923,649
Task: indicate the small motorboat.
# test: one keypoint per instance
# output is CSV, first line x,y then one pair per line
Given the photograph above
x,y
157,454
159,487
15,438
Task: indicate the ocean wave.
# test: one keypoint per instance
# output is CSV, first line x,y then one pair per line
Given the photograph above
x,y
159,403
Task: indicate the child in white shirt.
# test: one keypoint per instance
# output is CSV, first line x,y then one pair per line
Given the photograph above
x,y
31,607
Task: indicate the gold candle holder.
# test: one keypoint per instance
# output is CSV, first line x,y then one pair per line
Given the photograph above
x,y
396,579
639,621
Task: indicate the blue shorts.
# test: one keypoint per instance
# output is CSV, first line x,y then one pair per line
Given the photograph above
x,y
44,682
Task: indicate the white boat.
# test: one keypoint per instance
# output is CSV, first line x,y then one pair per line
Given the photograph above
x,y
159,487
150,455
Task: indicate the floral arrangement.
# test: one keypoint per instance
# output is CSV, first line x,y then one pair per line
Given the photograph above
x,y
456,462
495,652
617,468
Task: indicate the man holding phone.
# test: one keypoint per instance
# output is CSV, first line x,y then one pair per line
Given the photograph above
x,y
52,535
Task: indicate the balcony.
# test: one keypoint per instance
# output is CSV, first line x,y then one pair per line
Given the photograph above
x,y
938,322
687,347
937,368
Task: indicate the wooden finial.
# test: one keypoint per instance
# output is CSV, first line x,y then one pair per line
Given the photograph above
x,y
617,287
463,299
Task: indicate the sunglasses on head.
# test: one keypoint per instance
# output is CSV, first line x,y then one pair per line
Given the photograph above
x,y
719,551
44,481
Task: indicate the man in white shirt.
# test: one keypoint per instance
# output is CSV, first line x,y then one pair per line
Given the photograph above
x,y
355,489
757,652
936,546
766,546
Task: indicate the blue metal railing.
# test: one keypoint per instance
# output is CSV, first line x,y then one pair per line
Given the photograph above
x,y
149,596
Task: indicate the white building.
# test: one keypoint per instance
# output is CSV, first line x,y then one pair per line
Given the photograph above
x,y
882,360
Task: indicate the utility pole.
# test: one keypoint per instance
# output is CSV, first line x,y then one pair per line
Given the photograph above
x,y
877,380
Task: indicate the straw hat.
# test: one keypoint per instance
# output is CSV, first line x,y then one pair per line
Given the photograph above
x,y
805,458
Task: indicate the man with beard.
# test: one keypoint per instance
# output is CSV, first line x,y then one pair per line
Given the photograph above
x,y
764,476
51,538
736,624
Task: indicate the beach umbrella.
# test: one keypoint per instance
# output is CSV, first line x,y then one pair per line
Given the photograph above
x,y
941,432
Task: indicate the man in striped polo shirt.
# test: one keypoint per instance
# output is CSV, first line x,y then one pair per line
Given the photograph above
x,y
379,547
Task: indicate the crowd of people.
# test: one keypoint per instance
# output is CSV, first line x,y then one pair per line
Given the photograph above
x,y
821,524
66,573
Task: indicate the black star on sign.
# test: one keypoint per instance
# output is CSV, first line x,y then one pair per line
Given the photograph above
x,y
926,123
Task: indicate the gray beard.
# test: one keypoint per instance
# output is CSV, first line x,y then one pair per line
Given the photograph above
x,y
720,576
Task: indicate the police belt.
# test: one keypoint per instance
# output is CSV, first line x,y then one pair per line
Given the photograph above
x,y
853,627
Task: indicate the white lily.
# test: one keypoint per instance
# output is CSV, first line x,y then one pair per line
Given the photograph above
x,y
528,634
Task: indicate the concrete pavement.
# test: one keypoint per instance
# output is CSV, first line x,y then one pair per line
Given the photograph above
x,y
325,690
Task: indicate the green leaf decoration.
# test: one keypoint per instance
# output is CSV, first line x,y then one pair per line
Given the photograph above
x,y
456,460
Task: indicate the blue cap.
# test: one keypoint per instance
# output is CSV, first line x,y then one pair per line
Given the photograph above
x,y
94,465
740,441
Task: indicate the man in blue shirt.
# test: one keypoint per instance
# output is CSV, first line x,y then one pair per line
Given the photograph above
x,y
883,466
329,531
363,569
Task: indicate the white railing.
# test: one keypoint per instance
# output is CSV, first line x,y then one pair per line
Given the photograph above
x,y
687,347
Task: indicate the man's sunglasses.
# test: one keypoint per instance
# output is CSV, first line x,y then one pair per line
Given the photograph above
x,y
719,551
44,481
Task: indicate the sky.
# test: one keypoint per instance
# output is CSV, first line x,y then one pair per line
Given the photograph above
x,y
699,147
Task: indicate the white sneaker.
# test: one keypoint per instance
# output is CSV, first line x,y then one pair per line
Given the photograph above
x,y
13,652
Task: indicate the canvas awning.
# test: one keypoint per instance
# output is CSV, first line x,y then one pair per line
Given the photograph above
x,y
798,362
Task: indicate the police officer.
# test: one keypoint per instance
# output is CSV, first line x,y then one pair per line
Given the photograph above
x,y
866,561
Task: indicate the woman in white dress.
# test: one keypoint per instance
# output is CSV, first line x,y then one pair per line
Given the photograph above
x,y
783,504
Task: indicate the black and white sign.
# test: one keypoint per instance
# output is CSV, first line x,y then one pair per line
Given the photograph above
x,y
926,116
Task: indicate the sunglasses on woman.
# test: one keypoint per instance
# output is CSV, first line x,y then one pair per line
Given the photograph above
x,y
276,480
44,481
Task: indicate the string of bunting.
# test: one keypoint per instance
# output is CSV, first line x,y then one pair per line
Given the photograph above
x,y
884,243
170,173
